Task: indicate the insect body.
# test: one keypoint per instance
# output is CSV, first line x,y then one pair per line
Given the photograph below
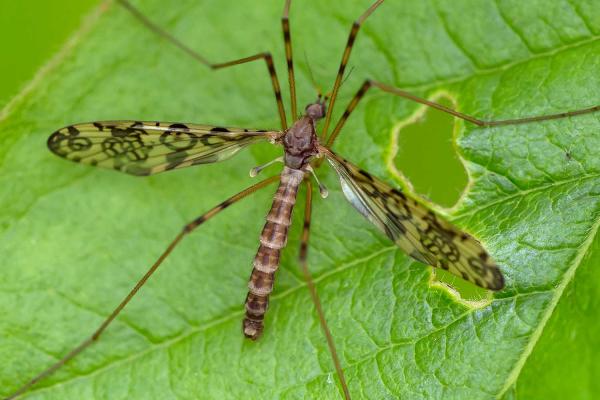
x,y
301,145
146,148
143,148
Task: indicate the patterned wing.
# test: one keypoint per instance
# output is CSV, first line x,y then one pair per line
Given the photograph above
x,y
417,230
146,148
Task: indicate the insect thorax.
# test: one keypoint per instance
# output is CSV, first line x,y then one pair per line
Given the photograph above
x,y
300,141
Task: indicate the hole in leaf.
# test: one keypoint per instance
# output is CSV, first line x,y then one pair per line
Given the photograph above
x,y
428,159
426,154
473,295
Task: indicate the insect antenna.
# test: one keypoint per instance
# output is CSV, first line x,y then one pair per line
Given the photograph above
x,y
184,232
347,76
313,81
318,89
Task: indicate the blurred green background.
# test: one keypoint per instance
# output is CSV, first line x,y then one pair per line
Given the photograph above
x,y
31,33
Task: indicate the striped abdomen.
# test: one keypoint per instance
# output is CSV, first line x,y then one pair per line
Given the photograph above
x,y
272,239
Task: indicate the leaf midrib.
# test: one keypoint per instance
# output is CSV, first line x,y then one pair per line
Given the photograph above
x,y
567,278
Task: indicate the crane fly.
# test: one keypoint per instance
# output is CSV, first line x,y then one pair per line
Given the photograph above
x,y
144,148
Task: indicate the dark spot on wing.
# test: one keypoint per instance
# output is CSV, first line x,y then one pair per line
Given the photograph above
x,y
398,193
365,174
118,132
178,126
73,131
219,129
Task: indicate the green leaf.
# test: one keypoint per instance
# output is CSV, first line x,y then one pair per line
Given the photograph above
x,y
75,239
24,54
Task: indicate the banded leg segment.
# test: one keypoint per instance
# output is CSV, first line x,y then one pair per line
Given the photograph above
x,y
96,335
313,290
483,123
266,56
285,22
345,57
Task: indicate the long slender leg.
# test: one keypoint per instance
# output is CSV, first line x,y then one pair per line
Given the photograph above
x,y
483,123
186,230
345,57
313,291
264,56
285,22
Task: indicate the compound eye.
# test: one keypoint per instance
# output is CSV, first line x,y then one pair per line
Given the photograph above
x,y
315,110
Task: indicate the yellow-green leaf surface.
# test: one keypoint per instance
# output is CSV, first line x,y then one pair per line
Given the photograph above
x,y
74,239
23,53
